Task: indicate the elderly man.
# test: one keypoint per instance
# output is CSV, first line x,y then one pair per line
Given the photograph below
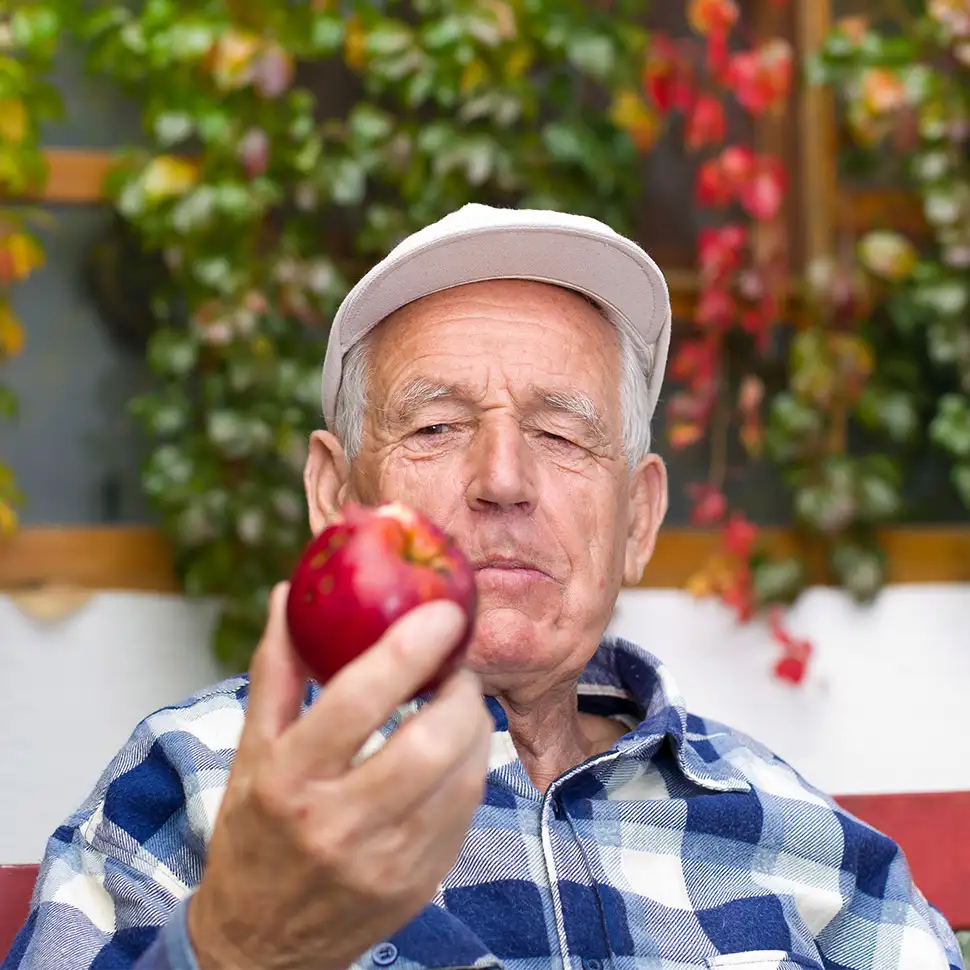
x,y
499,371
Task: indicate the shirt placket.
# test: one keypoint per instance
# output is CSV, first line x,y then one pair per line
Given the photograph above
x,y
555,810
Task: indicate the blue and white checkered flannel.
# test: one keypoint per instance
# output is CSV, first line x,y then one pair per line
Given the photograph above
x,y
685,846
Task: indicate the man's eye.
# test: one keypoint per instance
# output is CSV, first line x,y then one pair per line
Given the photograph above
x,y
556,438
432,430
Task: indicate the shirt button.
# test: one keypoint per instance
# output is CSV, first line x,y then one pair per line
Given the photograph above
x,y
385,954
591,963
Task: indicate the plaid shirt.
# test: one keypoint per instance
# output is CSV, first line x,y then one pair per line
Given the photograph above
x,y
685,846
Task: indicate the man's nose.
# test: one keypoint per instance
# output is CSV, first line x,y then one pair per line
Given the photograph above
x,y
503,469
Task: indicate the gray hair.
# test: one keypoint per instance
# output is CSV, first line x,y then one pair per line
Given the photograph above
x,y
636,365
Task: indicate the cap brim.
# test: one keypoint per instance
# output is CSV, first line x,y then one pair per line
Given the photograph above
x,y
609,269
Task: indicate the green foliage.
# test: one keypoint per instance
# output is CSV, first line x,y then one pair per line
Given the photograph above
x,y
907,106
29,32
267,199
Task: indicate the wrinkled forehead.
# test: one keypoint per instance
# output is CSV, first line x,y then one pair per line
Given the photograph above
x,y
536,335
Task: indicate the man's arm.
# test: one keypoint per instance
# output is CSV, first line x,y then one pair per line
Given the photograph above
x,y
302,853
116,873
76,923
886,924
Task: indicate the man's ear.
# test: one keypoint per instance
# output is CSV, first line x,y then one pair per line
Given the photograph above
x,y
325,479
648,506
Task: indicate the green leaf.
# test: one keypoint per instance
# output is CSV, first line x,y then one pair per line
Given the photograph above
x,y
888,410
594,55
389,38
172,127
189,39
442,33
950,428
369,124
9,405
327,34
172,353
35,28
897,50
860,567
960,476
563,142
234,641
878,497
347,182
777,580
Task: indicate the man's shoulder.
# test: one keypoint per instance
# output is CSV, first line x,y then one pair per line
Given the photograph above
x,y
766,772
163,754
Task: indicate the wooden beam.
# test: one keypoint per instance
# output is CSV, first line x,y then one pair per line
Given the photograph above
x,y
860,210
139,558
75,176
133,558
818,137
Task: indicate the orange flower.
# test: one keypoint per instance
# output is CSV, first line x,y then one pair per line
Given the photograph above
x,y
231,59
684,434
355,44
11,333
14,121
707,16
8,519
883,91
20,255
166,176
633,115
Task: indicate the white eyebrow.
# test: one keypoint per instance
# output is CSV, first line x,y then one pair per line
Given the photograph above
x,y
418,393
579,405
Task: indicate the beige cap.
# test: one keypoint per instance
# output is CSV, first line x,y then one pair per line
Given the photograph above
x,y
477,243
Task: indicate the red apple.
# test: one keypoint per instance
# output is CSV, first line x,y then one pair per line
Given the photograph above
x,y
365,571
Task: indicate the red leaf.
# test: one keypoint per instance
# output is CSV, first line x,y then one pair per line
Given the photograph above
x,y
705,123
695,362
719,250
740,536
737,163
710,505
761,78
739,596
791,669
717,55
763,193
705,16
667,76
715,309
713,188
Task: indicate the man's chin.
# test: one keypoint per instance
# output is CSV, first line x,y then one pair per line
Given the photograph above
x,y
507,639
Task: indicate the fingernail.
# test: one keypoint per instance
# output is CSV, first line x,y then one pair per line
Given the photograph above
x,y
277,599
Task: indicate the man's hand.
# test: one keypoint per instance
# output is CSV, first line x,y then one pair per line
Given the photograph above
x,y
314,858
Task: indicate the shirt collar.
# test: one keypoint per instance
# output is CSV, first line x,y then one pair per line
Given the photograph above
x,y
622,679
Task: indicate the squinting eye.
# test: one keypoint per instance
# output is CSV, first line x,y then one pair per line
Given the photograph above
x,y
432,430
556,437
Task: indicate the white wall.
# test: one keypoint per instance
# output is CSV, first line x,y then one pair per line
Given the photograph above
x,y
882,711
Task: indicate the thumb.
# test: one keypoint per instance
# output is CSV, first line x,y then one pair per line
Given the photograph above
x,y
277,678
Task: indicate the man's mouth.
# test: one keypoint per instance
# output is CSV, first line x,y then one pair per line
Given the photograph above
x,y
509,569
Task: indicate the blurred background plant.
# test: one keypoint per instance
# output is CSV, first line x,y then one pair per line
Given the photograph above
x,y
258,203
725,66
874,362
29,33
879,386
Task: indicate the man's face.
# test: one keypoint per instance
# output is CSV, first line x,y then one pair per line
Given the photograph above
x,y
495,409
